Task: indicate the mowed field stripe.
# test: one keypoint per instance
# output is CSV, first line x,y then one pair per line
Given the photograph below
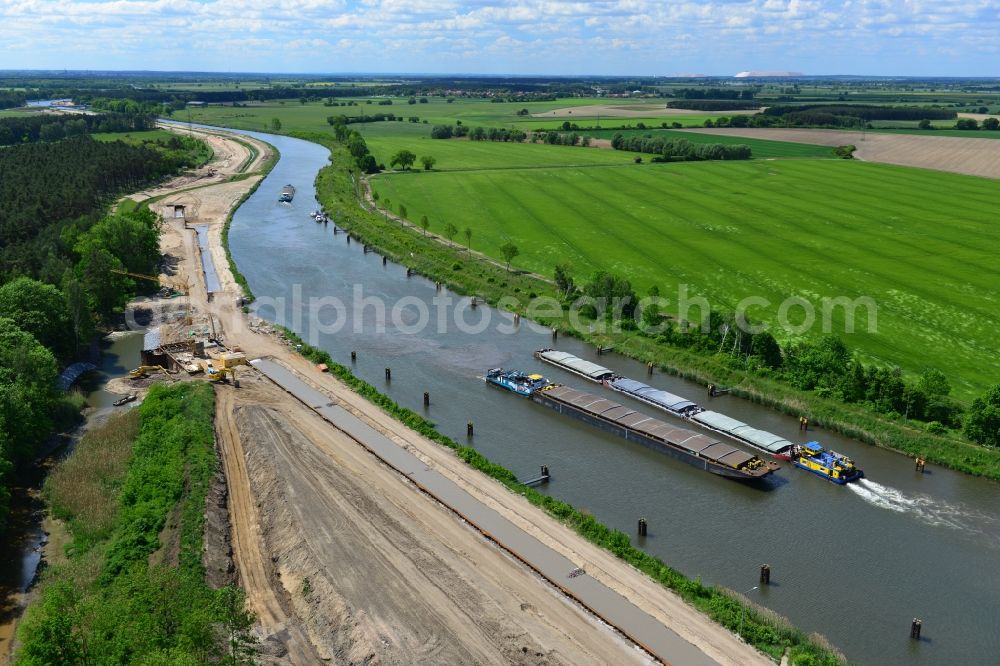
x,y
920,243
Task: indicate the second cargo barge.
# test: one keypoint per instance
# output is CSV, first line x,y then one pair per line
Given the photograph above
x,y
685,445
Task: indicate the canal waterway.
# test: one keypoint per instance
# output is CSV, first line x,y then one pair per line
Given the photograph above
x,y
21,548
854,563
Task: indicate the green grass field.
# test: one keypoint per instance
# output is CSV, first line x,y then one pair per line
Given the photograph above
x,y
134,138
311,117
919,243
762,148
385,139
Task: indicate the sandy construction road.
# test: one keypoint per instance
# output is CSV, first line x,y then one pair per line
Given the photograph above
x,y
972,156
392,577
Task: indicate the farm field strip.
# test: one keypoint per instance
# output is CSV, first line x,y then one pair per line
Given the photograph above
x,y
762,148
773,229
973,156
474,112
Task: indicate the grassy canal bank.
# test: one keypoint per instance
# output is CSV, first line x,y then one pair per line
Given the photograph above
x,y
130,586
339,190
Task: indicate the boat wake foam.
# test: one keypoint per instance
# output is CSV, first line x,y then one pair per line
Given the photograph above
x,y
929,510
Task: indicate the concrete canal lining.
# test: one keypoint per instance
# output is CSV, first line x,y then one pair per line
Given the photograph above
x,y
608,605
212,284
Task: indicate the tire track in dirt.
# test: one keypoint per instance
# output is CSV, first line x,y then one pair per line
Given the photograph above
x,y
392,577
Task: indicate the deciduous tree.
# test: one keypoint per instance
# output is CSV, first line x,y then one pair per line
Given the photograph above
x,y
508,250
403,159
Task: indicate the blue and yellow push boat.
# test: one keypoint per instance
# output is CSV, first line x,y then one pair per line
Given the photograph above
x,y
831,465
514,381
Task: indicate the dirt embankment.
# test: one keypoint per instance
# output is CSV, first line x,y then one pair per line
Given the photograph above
x,y
370,569
972,156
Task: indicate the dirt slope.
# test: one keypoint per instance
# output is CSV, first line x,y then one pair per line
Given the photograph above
x,y
393,578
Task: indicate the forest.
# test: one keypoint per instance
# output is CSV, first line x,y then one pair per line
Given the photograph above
x,y
47,127
58,251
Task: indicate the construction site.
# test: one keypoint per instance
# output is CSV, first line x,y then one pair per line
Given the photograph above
x,y
356,539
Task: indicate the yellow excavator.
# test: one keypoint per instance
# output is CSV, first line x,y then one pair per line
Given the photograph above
x,y
216,375
144,370
180,288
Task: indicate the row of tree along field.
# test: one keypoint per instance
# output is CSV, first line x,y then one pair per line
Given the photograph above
x,y
822,378
58,284
672,150
826,367
122,595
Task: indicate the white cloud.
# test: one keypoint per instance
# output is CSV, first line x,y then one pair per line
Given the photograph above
x,y
721,36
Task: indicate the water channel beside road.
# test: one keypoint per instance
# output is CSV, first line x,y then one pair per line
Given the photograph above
x,y
854,563
21,548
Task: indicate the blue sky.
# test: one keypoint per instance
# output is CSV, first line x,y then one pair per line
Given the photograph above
x,y
640,37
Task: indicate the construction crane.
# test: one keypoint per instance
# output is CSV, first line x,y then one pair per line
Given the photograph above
x,y
180,288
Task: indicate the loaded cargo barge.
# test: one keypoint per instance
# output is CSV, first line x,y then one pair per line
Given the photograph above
x,y
690,447
769,443
685,445
576,365
287,194
668,402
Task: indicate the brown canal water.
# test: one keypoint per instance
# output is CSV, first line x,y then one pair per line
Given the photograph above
x,y
853,563
21,548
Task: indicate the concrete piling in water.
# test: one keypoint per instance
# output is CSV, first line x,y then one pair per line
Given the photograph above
x,y
468,429
921,462
542,478
354,357
915,629
365,249
555,333
348,239
765,574
649,368
385,260
388,374
427,399
643,526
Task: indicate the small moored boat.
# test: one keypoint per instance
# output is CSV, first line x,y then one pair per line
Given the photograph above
x,y
124,400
